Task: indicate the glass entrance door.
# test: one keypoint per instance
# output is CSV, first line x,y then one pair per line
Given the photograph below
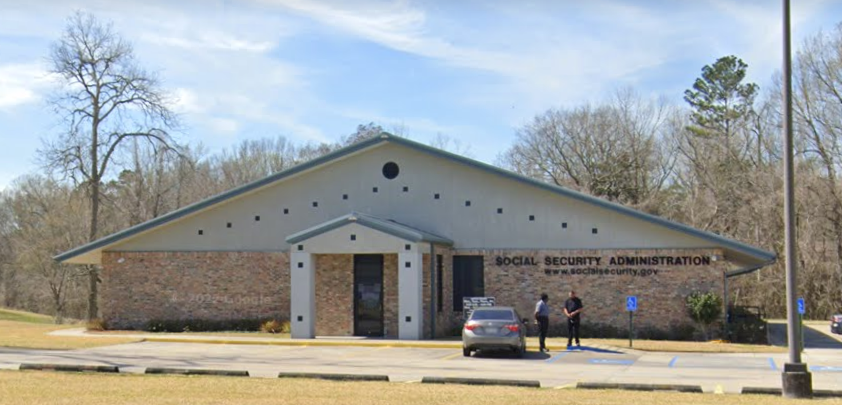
x,y
368,295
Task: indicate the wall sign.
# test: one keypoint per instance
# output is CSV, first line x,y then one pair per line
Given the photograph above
x,y
469,303
636,266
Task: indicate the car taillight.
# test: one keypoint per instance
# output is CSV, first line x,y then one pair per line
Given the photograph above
x,y
471,326
513,327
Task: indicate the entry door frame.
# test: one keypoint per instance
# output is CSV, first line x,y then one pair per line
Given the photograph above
x,y
357,331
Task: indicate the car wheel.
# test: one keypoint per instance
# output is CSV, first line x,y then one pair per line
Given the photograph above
x,y
466,352
520,352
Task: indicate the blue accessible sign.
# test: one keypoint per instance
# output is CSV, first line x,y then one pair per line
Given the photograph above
x,y
801,306
631,303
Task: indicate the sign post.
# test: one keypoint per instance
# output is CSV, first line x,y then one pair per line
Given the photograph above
x,y
631,306
801,309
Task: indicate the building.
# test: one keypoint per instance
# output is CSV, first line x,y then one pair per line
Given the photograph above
x,y
375,238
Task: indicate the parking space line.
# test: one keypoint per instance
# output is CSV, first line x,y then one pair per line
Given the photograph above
x,y
772,364
556,357
612,362
451,356
825,368
672,362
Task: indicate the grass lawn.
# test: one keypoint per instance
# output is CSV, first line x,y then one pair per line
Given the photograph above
x,y
34,336
21,316
93,389
30,387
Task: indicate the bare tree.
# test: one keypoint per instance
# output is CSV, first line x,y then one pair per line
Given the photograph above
x,y
451,144
618,150
106,98
45,215
817,108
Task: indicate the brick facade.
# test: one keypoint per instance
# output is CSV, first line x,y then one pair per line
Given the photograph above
x,y
661,297
141,286
335,295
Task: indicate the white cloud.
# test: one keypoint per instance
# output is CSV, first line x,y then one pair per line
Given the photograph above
x,y
208,40
557,61
187,102
223,125
759,32
22,84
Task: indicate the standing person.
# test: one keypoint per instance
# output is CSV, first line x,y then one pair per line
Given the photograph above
x,y
572,308
542,318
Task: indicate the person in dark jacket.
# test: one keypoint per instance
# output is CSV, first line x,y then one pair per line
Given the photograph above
x,y
572,309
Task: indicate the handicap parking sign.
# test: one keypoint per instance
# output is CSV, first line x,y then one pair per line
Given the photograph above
x,y
631,303
801,307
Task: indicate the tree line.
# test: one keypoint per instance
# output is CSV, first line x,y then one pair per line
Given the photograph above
x,y
713,163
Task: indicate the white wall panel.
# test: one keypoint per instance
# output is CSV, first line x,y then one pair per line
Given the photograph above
x,y
477,226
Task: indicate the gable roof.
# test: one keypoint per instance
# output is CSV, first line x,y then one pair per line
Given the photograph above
x,y
390,227
742,251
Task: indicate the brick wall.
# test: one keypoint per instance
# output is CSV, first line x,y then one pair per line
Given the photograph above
x,y
446,319
236,285
661,297
335,295
141,286
390,295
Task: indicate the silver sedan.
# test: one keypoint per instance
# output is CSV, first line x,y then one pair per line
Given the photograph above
x,y
494,328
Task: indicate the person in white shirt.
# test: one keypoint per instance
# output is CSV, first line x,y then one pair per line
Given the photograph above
x,y
542,318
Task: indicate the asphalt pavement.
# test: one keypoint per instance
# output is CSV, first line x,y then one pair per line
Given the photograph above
x,y
713,372
721,373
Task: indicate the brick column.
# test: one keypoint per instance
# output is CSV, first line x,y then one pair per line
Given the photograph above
x,y
302,295
410,303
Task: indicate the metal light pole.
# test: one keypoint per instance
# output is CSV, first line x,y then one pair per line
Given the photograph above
x,y
796,378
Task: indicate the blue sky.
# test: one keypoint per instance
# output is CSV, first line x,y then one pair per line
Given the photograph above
x,y
312,70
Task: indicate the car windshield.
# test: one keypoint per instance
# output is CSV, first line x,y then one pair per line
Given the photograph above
x,y
492,315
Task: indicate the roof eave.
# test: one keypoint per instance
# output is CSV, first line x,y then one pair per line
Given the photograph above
x,y
397,230
211,201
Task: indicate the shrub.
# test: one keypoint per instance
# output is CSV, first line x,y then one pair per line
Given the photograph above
x,y
275,326
705,309
682,331
96,325
206,325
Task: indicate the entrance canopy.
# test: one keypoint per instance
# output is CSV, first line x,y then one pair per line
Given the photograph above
x,y
351,233
361,234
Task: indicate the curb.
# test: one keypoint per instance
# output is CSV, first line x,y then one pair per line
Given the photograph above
x,y
69,367
196,371
316,343
481,381
455,345
639,387
779,392
335,377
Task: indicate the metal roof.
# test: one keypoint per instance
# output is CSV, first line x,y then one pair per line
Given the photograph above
x,y
383,225
743,251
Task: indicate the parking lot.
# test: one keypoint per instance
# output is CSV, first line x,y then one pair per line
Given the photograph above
x,y
714,372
